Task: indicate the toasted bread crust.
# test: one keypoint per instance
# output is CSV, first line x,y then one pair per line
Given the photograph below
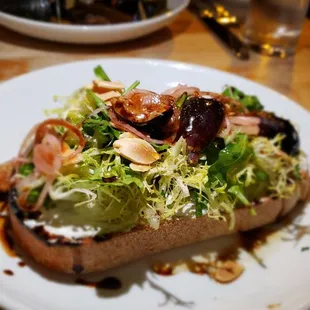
x,y
93,256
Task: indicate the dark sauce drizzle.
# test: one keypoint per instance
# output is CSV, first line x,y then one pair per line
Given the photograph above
x,y
5,239
109,283
249,241
8,272
21,264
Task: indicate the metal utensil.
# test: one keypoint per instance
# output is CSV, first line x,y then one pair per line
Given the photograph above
x,y
221,14
240,49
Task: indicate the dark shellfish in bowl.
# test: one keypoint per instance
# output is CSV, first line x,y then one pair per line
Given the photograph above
x,y
85,12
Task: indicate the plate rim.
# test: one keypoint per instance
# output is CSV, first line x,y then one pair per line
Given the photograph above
x,y
155,61
7,301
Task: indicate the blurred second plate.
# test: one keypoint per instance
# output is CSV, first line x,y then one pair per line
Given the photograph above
x,y
93,34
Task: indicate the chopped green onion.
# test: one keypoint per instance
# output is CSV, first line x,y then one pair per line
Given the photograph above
x,y
199,204
100,74
160,148
238,192
93,97
33,196
249,101
253,211
180,101
296,172
305,248
131,87
261,176
26,169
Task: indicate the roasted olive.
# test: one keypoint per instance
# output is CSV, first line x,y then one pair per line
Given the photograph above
x,y
200,121
271,125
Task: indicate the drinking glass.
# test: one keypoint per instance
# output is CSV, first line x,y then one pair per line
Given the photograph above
x,y
273,27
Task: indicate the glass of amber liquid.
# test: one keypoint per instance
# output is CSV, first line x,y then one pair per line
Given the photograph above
x,y
273,26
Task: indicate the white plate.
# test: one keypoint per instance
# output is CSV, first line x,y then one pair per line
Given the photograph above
x,y
93,34
286,280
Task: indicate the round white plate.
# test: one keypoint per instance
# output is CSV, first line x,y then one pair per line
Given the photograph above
x,y
286,280
93,34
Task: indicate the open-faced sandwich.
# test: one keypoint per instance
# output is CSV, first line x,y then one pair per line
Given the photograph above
x,y
120,173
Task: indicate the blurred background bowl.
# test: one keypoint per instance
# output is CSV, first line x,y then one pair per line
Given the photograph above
x,y
93,34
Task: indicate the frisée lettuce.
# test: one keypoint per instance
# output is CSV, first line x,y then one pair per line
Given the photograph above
x,y
100,189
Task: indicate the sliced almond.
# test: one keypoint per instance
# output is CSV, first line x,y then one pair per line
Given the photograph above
x,y
109,95
109,85
127,135
136,150
88,86
108,103
140,168
252,130
228,271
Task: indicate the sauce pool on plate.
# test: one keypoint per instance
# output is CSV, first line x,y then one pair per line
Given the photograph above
x,y
5,240
108,283
8,272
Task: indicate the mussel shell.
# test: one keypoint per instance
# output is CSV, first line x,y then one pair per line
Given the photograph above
x,y
83,12
96,13
41,10
126,6
154,7
151,7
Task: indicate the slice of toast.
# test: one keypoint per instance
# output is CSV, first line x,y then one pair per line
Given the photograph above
x,y
92,255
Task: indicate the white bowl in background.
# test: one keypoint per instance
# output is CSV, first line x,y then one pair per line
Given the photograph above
x,y
94,34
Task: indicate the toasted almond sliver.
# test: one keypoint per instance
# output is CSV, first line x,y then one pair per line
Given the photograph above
x,y
108,103
127,135
140,168
228,272
109,85
88,86
108,95
136,150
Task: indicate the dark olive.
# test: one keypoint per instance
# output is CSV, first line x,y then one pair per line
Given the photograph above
x,y
200,121
271,125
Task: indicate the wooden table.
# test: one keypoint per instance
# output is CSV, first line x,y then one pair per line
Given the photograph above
x,y
187,39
